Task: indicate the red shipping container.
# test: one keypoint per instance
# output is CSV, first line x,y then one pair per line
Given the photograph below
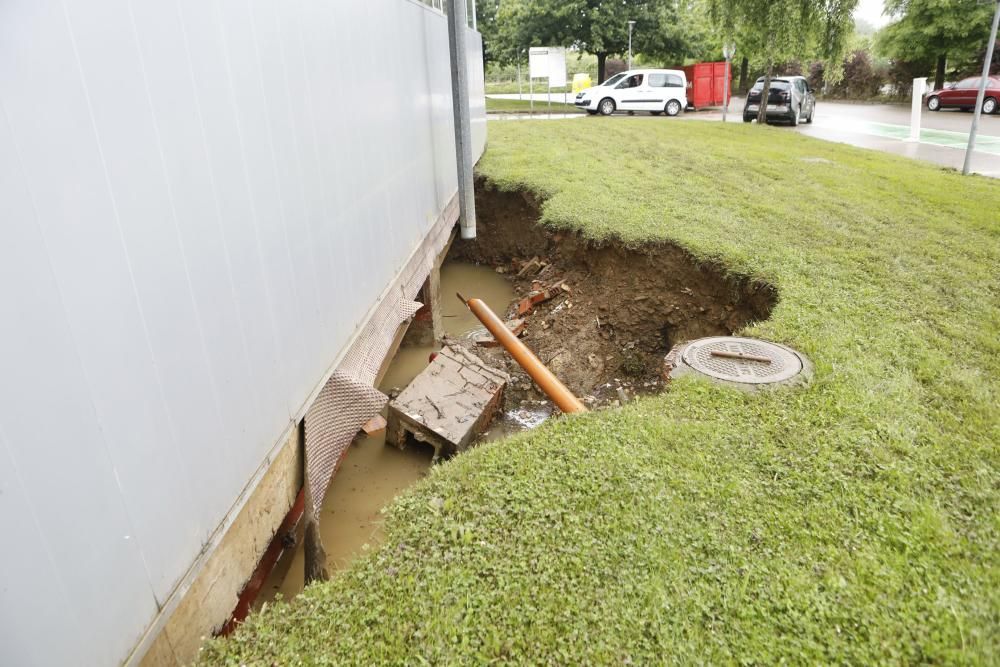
x,y
706,84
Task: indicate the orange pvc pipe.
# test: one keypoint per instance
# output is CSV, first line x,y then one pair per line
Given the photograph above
x,y
542,376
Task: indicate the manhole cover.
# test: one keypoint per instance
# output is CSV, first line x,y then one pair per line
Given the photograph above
x,y
743,360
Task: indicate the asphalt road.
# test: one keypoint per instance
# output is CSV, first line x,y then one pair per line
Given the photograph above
x,y
885,127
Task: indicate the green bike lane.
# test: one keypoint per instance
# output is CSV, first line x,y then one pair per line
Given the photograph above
x,y
984,143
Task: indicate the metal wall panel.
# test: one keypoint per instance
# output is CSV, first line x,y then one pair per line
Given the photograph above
x,y
199,203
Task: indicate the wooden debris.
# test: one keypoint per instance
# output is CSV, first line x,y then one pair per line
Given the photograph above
x,y
516,327
537,296
531,265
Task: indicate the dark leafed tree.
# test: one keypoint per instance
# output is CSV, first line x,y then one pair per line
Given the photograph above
x,y
604,29
599,27
683,30
935,31
494,48
775,31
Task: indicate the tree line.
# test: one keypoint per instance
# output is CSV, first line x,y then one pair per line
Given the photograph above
x,y
816,38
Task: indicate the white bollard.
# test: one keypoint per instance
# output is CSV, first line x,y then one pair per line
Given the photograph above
x,y
919,88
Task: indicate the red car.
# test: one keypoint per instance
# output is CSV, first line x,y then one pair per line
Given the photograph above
x,y
962,95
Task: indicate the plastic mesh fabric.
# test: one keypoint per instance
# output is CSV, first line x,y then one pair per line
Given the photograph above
x,y
340,410
348,399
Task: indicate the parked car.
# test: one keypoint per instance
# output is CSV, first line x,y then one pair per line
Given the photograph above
x,y
654,90
789,98
962,95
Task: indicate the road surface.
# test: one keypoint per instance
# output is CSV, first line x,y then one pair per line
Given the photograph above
x,y
886,127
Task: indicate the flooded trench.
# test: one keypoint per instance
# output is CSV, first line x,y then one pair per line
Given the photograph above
x,y
614,313
372,474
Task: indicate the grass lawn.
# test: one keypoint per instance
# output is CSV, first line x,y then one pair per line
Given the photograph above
x,y
524,106
853,521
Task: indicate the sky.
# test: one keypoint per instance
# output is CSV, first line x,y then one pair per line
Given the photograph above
x,y
871,11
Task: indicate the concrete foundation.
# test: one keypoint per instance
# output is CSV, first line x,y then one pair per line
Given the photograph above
x,y
204,607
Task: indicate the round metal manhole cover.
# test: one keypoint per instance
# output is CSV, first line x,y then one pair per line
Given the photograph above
x,y
744,360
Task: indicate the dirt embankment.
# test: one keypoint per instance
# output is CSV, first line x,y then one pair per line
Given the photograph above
x,y
625,306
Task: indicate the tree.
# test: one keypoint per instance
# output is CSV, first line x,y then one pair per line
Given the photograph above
x,y
599,27
774,31
935,31
682,31
486,23
861,80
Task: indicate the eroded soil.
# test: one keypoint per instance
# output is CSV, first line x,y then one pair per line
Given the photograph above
x,y
606,337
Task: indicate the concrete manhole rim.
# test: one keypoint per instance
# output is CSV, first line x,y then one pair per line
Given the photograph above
x,y
785,366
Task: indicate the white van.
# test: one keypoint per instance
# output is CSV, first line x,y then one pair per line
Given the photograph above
x,y
654,90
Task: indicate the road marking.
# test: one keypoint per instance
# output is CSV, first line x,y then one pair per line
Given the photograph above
x,y
984,143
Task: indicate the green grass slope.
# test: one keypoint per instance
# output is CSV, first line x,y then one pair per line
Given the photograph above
x,y
851,521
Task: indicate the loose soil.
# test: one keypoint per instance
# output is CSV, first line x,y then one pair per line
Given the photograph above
x,y
627,306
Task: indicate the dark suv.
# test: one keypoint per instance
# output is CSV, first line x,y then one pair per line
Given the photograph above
x,y
789,98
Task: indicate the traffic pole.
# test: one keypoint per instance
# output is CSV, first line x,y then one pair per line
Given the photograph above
x,y
978,111
728,51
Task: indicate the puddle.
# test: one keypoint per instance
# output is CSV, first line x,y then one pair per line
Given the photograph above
x,y
372,474
472,280
521,418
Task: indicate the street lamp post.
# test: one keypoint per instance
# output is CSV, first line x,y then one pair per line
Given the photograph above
x,y
631,24
728,51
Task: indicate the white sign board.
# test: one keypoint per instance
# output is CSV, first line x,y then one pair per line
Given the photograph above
x,y
548,62
538,63
557,68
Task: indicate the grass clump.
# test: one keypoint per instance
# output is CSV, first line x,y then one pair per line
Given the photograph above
x,y
852,521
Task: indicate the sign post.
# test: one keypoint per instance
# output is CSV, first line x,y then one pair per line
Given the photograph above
x,y
519,96
728,51
547,62
977,112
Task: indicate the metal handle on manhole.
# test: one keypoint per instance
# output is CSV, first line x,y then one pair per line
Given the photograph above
x,y
740,355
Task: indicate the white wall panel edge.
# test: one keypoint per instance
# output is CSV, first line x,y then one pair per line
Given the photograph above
x,y
192,573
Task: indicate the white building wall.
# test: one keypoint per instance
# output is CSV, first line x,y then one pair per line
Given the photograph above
x,y
199,202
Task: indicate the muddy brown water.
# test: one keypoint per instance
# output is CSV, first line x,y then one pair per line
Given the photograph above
x,y
372,474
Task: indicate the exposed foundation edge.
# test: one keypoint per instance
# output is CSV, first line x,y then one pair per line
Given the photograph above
x,y
204,599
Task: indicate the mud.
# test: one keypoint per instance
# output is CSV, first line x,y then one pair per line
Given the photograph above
x,y
372,474
605,338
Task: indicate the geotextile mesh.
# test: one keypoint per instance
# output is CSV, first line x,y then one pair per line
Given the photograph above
x,y
349,399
